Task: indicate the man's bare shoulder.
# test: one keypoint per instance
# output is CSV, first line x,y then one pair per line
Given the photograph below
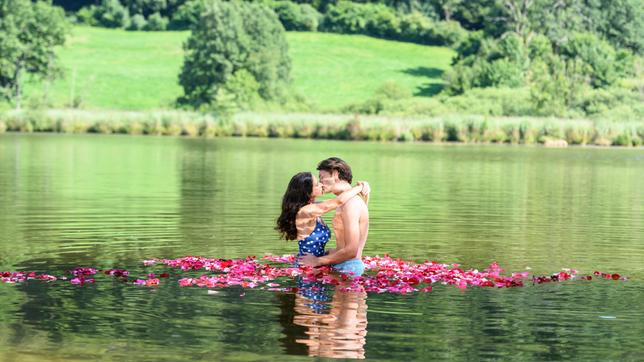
x,y
355,204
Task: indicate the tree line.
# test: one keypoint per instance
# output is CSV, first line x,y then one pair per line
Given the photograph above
x,y
620,22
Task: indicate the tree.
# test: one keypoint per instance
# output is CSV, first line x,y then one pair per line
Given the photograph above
x,y
320,5
448,7
29,33
230,37
73,5
300,17
619,21
597,55
556,85
112,14
518,18
145,7
476,14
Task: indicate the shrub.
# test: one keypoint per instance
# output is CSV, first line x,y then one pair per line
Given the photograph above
x,y
418,28
300,17
156,22
597,55
111,14
448,33
87,15
369,19
137,22
611,103
414,27
392,90
103,127
418,106
491,101
187,15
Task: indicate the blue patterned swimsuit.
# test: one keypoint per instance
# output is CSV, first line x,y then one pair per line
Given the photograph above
x,y
315,242
315,292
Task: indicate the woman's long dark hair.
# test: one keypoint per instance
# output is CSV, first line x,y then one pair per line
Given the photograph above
x,y
297,195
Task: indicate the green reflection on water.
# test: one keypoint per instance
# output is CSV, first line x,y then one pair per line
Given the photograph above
x,y
114,201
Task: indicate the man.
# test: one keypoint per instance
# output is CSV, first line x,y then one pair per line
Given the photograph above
x,y
350,224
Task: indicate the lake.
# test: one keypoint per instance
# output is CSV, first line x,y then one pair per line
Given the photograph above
x,y
113,201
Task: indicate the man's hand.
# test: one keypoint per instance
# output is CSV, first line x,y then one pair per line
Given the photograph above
x,y
309,260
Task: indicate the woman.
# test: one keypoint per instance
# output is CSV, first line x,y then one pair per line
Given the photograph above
x,y
301,216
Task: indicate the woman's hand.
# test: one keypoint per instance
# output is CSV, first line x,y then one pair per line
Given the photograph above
x,y
366,189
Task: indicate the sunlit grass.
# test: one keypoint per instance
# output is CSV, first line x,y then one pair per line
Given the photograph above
x,y
117,69
121,70
334,70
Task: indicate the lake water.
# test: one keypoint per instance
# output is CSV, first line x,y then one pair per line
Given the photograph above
x,y
113,201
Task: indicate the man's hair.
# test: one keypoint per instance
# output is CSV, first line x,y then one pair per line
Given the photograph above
x,y
336,164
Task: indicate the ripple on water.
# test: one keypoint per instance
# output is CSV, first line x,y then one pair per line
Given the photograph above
x,y
77,200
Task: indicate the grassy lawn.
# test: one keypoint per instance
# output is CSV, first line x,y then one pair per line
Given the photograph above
x,y
116,69
333,70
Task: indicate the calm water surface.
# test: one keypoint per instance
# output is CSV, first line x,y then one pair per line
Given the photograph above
x,y
112,201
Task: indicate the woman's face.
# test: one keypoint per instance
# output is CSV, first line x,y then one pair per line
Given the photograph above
x,y
317,188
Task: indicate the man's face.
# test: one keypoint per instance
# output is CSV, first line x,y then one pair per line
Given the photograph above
x,y
327,179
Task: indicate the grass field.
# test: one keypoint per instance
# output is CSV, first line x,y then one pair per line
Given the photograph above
x,y
117,69
333,70
120,70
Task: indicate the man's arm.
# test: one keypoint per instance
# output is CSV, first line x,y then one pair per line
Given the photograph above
x,y
351,222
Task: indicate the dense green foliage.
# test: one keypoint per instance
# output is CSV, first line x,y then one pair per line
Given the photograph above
x,y
299,17
29,33
235,51
381,21
400,21
565,53
616,103
127,14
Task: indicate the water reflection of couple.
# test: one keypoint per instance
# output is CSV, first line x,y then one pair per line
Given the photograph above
x,y
338,332
338,329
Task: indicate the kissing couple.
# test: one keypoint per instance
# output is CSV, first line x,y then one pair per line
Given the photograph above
x,y
301,217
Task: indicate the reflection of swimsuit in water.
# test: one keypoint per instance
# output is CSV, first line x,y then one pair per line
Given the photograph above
x,y
317,293
314,244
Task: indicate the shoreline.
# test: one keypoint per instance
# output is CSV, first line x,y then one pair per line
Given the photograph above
x,y
447,129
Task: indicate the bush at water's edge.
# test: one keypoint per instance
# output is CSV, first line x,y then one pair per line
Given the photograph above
x,y
449,128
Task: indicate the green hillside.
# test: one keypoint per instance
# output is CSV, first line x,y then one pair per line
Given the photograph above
x,y
333,70
116,69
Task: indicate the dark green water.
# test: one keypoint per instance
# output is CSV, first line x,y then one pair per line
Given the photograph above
x,y
112,201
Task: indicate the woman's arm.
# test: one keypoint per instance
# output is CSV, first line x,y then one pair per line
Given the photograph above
x,y
315,210
365,193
